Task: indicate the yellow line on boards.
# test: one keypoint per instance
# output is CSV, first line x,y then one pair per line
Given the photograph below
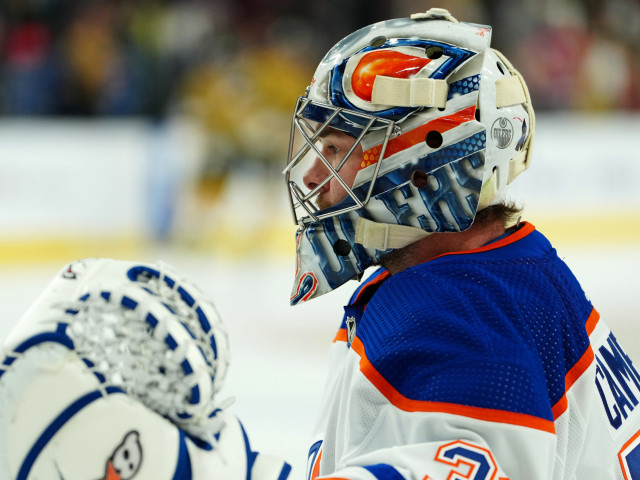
x,y
278,240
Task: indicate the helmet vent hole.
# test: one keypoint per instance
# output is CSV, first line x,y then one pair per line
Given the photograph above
x,y
501,68
342,248
433,52
434,139
378,41
477,114
419,179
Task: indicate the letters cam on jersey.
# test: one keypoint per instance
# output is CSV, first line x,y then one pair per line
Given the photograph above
x,y
484,364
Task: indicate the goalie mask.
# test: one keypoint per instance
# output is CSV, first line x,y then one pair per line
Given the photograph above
x,y
409,127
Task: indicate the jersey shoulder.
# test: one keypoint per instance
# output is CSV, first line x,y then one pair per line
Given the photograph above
x,y
480,318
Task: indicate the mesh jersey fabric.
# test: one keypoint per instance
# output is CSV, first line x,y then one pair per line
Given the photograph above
x,y
496,329
492,353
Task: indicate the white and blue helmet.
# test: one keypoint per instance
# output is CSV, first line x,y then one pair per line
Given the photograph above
x,y
444,122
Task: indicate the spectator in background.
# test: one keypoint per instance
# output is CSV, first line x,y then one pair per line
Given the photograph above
x,y
30,69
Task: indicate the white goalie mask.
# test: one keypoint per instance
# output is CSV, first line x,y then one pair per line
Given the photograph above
x,y
409,127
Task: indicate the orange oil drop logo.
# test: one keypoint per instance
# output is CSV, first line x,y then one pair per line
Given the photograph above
x,y
386,63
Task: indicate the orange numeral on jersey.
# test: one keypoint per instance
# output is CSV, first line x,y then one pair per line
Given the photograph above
x,y
469,461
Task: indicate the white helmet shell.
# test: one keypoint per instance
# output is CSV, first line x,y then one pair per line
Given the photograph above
x,y
425,98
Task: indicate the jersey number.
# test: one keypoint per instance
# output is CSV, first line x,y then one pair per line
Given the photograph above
x,y
469,462
313,460
629,458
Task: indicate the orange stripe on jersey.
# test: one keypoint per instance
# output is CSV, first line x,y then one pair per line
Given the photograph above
x,y
417,135
592,321
579,368
379,279
519,234
316,466
410,405
341,336
622,454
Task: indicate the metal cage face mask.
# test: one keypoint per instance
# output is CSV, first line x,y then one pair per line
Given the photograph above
x,y
327,174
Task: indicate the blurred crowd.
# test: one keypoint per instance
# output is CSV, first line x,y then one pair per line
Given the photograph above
x,y
237,66
150,57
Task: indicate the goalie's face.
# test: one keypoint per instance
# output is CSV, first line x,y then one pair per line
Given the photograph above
x,y
326,173
334,147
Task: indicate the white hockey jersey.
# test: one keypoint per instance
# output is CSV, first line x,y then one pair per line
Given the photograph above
x,y
484,364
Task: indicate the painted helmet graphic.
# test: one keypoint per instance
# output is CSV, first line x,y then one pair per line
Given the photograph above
x,y
437,123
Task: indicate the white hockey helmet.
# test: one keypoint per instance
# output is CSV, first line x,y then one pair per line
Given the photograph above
x,y
444,124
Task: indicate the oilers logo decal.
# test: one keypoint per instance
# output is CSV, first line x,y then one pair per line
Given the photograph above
x,y
126,459
502,132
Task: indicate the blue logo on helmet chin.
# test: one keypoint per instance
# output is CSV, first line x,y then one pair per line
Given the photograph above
x,y
337,230
306,286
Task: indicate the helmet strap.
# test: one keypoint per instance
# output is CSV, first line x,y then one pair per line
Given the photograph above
x,y
383,236
511,91
410,92
488,192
